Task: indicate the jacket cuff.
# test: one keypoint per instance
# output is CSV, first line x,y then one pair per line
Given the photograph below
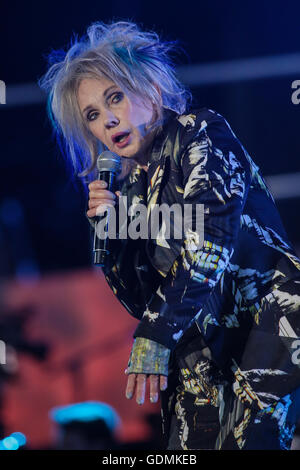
x,y
148,357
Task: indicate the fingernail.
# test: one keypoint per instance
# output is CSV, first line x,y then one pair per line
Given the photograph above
x,y
154,398
164,387
140,401
128,395
102,184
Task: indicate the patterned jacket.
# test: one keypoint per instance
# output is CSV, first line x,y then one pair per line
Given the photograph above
x,y
232,284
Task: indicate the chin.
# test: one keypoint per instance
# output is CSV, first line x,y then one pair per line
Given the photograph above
x,y
126,153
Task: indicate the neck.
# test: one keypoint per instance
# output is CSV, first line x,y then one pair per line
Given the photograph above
x,y
143,157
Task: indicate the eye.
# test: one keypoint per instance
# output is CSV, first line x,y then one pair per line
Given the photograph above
x,y
92,115
116,97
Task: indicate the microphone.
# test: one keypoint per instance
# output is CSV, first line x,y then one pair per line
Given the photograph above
x,y
109,166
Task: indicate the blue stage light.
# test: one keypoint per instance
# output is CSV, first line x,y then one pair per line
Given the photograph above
x,y
13,442
85,412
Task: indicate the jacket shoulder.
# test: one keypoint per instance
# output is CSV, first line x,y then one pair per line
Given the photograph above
x,y
203,123
204,120
192,119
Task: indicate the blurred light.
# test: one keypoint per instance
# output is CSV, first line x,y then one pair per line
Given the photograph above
x,y
86,412
13,442
20,437
192,75
24,94
284,186
10,443
238,70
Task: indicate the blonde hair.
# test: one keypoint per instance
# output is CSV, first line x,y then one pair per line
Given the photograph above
x,y
136,61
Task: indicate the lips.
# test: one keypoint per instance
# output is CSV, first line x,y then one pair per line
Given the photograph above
x,y
121,139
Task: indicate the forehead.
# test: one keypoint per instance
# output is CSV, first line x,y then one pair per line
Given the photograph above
x,y
92,89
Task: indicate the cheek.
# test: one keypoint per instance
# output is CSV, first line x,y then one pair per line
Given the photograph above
x,y
140,120
97,131
139,114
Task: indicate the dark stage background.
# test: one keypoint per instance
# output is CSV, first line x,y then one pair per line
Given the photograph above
x,y
248,55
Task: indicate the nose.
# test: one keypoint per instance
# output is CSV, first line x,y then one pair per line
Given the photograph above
x,y
110,119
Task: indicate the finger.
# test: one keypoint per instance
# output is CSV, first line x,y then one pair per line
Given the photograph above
x,y
95,202
100,208
103,207
130,386
100,193
154,379
140,388
93,184
97,184
163,382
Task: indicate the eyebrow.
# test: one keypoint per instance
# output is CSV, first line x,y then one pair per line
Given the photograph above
x,y
104,94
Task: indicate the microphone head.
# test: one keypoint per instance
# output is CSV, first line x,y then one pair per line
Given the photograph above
x,y
109,161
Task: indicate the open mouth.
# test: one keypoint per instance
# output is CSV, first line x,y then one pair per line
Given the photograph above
x,y
120,137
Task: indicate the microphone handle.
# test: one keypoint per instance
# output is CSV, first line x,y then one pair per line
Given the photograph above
x,y
101,245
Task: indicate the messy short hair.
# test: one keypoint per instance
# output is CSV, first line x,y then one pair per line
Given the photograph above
x,y
136,61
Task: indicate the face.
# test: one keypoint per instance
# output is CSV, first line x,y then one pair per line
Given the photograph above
x,y
117,119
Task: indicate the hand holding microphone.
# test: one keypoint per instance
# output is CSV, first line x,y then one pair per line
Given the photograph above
x,y
101,196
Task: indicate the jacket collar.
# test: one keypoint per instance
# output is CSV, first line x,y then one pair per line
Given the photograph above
x,y
135,183
161,150
145,188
